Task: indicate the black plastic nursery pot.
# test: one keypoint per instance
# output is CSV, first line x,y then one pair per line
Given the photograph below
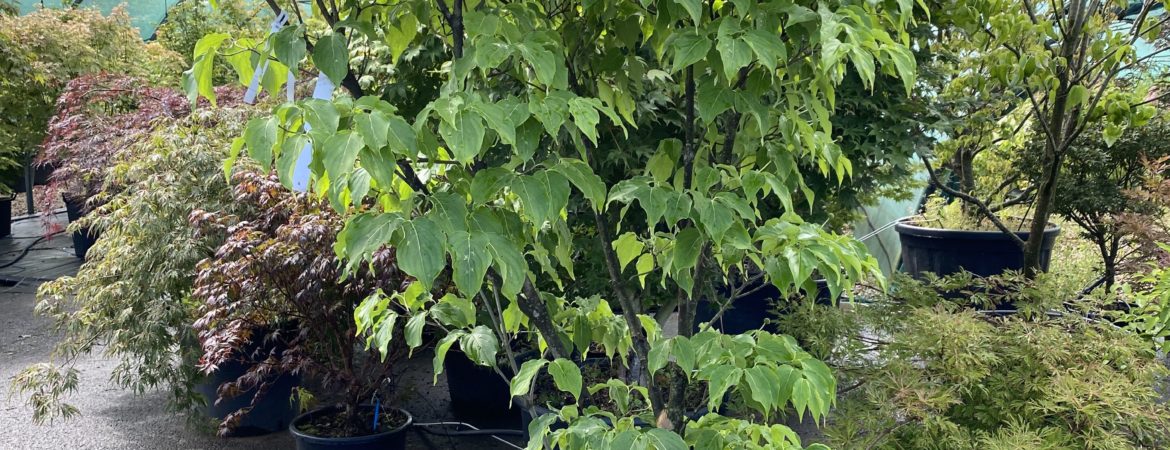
x,y
5,217
394,439
84,238
983,253
272,413
751,312
478,394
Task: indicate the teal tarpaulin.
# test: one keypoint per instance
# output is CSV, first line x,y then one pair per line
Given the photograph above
x,y
146,15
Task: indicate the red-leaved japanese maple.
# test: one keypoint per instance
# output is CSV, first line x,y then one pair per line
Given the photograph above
x,y
277,275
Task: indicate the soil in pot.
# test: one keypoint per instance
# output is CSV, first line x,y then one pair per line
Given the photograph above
x,y
327,428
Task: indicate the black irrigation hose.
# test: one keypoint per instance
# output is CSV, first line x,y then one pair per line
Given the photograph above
x,y
23,253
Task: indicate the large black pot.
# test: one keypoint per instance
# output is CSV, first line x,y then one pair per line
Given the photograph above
x,y
5,217
477,393
273,412
751,312
84,238
983,253
388,440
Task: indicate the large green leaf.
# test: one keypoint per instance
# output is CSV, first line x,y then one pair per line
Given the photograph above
x,y
260,135
567,376
469,260
420,250
364,234
288,45
464,136
341,151
331,55
628,247
544,194
441,350
689,47
480,345
521,384
579,173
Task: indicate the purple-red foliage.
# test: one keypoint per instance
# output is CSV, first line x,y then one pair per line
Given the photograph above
x,y
278,271
97,119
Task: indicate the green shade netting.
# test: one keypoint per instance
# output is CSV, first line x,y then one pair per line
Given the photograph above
x,y
146,15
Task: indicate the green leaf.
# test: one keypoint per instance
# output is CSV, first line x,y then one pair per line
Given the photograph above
x,y
464,137
399,37
449,211
1077,95
644,266
384,333
373,127
331,55
414,330
581,175
663,439
768,47
720,378
441,350
761,380
694,8
454,311
544,194
402,137
420,250
628,247
260,135
488,182
321,115
543,61
379,163
585,117
567,376
712,99
341,151
521,384
480,345
288,45
364,234
735,54
469,261
689,47
509,261
687,245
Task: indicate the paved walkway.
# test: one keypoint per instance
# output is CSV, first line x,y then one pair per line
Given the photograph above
x,y
112,418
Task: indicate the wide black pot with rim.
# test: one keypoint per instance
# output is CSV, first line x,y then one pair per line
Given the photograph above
x,y
5,217
984,253
391,436
752,311
83,238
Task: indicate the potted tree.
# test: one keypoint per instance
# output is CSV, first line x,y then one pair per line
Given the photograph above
x,y
280,268
475,187
1008,77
